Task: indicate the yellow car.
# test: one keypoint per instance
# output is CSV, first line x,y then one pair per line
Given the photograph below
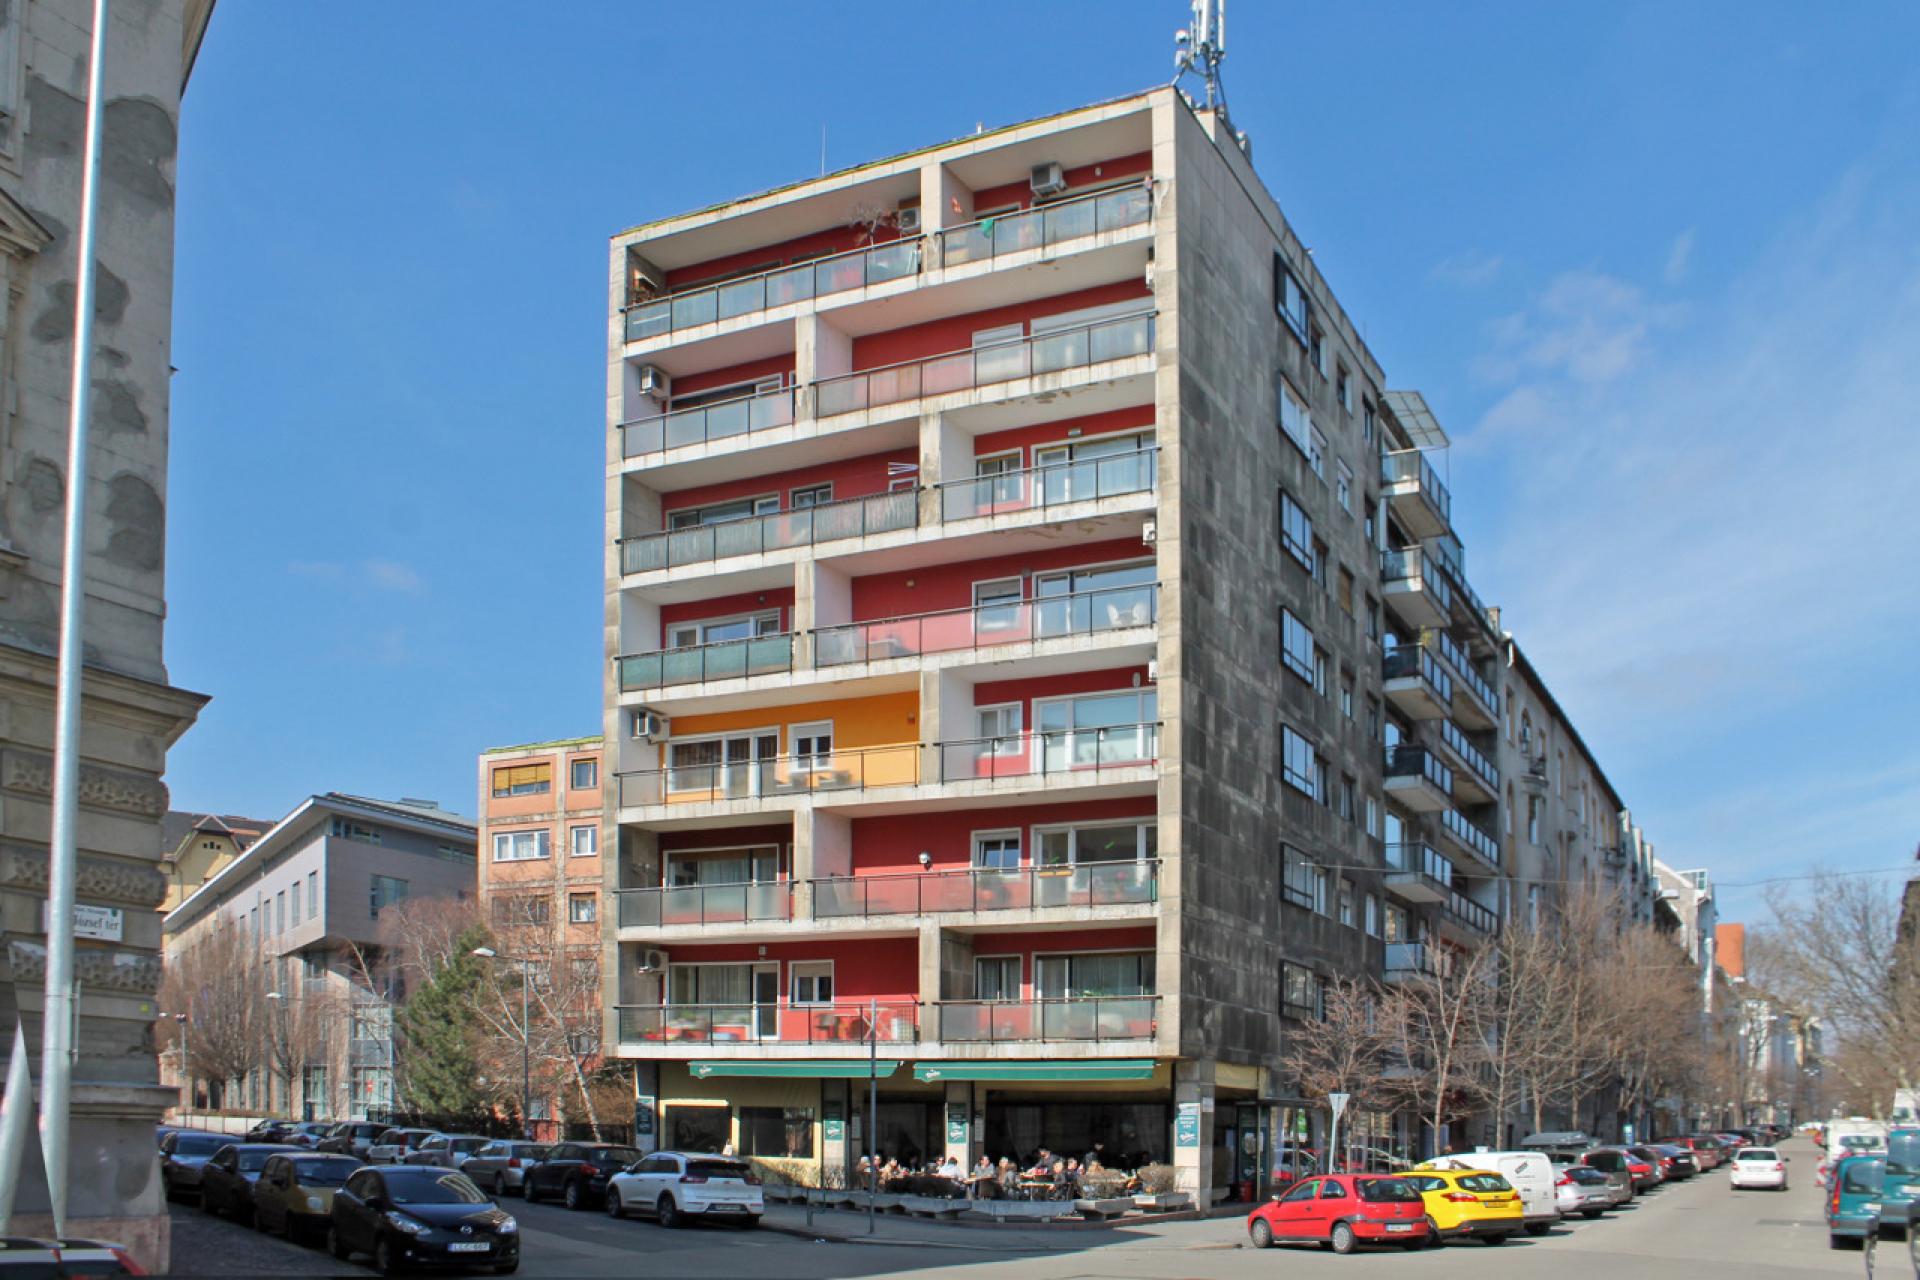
x,y
294,1193
1468,1202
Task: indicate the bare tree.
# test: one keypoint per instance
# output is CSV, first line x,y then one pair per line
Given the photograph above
x,y
1436,1027
217,982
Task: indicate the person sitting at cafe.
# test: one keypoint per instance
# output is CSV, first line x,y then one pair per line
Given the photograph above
x,y
1009,1177
1042,1165
1062,1180
950,1168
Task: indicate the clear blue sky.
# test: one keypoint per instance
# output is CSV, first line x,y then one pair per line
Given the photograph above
x,y
1655,265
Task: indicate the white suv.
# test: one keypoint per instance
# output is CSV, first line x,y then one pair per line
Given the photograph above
x,y
1758,1167
677,1185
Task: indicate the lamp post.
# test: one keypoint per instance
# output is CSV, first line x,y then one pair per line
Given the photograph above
x,y
526,1042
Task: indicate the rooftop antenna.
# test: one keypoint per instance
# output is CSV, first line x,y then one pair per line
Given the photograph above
x,y
1200,48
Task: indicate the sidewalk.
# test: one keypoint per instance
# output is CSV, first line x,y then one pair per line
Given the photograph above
x,y
842,1226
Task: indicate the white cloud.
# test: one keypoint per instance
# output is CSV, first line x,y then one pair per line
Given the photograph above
x,y
1469,270
392,575
1586,325
1679,257
381,575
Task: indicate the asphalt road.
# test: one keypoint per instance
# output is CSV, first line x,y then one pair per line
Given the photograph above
x,y
1696,1230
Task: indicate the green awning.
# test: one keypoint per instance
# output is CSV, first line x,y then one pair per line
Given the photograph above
x,y
1102,1069
830,1069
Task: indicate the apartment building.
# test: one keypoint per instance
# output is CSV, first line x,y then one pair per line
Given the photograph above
x,y
540,887
1010,550
308,896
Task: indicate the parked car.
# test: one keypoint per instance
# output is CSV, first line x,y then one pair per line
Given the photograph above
x,y
294,1193
1656,1162
26,1256
1343,1210
183,1153
1568,1142
226,1181
1707,1152
1475,1202
501,1165
307,1133
675,1186
577,1172
1617,1165
1595,1191
392,1146
1857,1203
1530,1174
406,1216
1675,1161
352,1138
446,1150
1758,1167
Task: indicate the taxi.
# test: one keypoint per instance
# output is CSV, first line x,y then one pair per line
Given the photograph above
x,y
1469,1202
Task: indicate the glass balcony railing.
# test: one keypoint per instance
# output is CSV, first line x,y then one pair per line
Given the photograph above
x,y
1046,225
984,366
804,526
1476,761
1399,564
891,1022
1452,558
1418,660
846,770
1423,858
1083,480
1084,753
728,299
1476,683
1077,1018
1410,959
706,423
978,889
1471,914
722,660
1411,465
705,904
987,625
1409,761
1470,836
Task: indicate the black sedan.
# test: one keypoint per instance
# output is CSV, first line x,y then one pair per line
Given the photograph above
x,y
226,1181
414,1215
577,1172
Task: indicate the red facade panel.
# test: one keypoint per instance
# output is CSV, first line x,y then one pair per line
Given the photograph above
x,y
749,371
891,844
994,692
988,199
817,244
884,969
1023,439
950,586
780,598
850,478
955,333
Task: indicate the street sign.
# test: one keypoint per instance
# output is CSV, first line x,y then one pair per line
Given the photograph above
x,y
1338,1101
104,923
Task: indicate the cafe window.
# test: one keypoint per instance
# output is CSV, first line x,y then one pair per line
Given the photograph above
x,y
778,1133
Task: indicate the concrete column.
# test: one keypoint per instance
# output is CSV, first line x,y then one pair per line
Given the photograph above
x,y
956,1123
1193,1104
822,597
946,453
820,351
646,1106
945,201
946,715
822,847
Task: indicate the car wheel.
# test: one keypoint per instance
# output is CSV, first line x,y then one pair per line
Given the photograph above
x,y
1261,1234
751,1221
384,1259
614,1209
1433,1234
1341,1238
1845,1242
1538,1228
1590,1213
336,1245
573,1197
526,1188
1497,1238
668,1212
499,1186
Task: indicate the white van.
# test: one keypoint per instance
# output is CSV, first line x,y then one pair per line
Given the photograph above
x,y
1530,1172
1853,1135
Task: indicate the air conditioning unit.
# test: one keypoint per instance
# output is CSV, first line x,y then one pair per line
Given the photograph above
x,y
1153,670
1048,179
655,382
907,219
652,960
1150,533
650,726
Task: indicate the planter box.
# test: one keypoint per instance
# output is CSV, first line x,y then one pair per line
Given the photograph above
x,y
1102,1209
1164,1202
1023,1210
934,1206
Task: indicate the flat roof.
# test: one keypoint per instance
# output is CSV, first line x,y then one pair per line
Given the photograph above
x,y
549,744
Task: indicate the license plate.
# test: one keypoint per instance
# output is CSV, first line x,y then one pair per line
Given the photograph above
x,y
727,1208
1399,1226
468,1246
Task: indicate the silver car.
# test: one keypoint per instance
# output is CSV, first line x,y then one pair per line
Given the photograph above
x,y
1598,1191
392,1146
446,1150
501,1165
183,1154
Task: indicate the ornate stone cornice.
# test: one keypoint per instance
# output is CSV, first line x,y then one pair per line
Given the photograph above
x,y
99,879
116,790
135,973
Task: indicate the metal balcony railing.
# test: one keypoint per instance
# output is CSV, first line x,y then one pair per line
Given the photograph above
x,y
655,433
984,366
843,770
721,660
1452,558
1409,761
978,889
1417,659
1084,480
1079,1018
987,625
1471,836
744,295
1471,914
1412,465
1047,225
892,1022
1410,959
803,526
670,905
1398,564
1474,681
1423,858
1077,752
1476,761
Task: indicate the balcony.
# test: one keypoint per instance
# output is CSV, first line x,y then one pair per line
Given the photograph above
x,y
1413,490
777,531
1412,587
1475,780
1093,1019
1467,919
1452,559
731,299
852,769
1417,873
977,890
1410,962
671,906
1469,838
1475,704
1069,754
1417,779
1416,683
851,1023
985,366
988,626
694,664
1011,492
721,420
1046,225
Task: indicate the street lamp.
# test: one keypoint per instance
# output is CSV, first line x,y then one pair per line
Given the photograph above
x,y
526,1041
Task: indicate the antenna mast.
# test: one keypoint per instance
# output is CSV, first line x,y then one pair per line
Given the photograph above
x,y
1200,48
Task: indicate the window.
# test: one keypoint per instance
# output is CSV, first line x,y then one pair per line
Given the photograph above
x,y
1299,992
1296,531
296,901
583,841
813,495
1397,929
1345,594
997,850
1123,841
386,891
1343,485
1098,728
1373,619
686,635
1373,817
1372,916
1317,454
1366,421
1321,792
585,774
812,746
1101,974
1320,664
997,603
1344,805
1322,356
1343,388
1533,819
999,729
280,912
1373,719
522,780
1346,694
1289,298
582,908
812,981
521,910
778,1133
1296,421
313,894
1320,563
1533,905
344,829
996,978
1296,877
1296,760
721,512
1346,902
519,846
1296,645
1367,518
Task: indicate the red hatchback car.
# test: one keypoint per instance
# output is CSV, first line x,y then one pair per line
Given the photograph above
x,y
1343,1210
